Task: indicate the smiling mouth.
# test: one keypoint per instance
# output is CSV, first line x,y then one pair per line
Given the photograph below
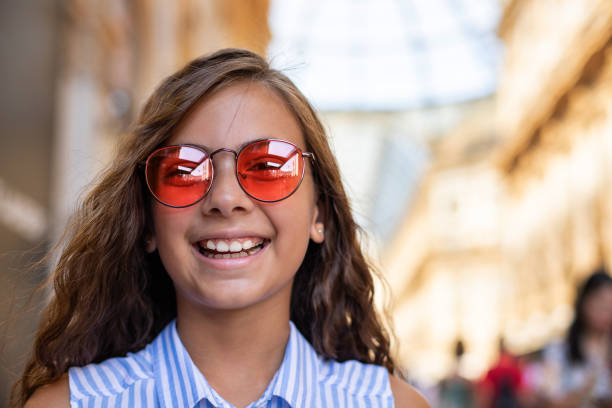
x,y
234,248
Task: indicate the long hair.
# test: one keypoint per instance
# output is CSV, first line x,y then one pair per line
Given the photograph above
x,y
596,281
111,297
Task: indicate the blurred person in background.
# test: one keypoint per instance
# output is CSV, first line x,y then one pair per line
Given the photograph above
x,y
532,380
501,386
578,371
455,390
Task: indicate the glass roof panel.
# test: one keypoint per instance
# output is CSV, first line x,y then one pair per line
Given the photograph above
x,y
387,54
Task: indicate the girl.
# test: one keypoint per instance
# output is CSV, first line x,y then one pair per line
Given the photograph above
x,y
579,370
216,264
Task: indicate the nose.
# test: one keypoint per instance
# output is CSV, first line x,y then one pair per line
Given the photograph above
x,y
225,196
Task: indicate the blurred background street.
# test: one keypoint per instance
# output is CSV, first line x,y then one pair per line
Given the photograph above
x,y
474,136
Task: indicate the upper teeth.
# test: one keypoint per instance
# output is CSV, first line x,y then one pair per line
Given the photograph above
x,y
221,245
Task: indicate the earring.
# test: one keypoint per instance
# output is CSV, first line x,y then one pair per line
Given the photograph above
x,y
320,230
149,245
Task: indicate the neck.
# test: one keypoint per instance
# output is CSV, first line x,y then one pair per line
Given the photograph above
x,y
235,349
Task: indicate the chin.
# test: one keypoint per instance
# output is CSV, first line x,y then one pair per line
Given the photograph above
x,y
232,304
228,300
239,294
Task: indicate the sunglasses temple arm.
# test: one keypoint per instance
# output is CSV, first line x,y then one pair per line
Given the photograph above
x,y
309,155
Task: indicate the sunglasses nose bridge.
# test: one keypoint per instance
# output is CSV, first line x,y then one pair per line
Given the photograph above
x,y
224,149
224,164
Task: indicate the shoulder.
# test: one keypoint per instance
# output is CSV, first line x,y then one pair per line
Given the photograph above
x,y
405,395
371,382
355,378
113,376
54,395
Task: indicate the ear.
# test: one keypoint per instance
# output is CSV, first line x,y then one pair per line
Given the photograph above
x,y
150,244
317,226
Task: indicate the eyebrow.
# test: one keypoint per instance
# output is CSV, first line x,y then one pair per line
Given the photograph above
x,y
208,149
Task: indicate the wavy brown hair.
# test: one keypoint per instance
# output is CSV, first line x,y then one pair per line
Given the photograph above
x,y
111,297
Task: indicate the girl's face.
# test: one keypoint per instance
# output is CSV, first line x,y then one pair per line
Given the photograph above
x,y
597,309
227,216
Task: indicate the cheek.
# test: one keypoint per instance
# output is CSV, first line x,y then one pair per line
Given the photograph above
x,y
598,312
607,311
292,223
169,227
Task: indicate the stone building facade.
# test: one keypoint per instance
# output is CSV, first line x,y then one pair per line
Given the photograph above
x,y
517,208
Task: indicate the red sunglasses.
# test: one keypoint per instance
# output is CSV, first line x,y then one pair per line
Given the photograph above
x,y
268,170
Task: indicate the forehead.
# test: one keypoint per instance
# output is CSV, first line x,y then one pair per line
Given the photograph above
x,y
601,294
236,115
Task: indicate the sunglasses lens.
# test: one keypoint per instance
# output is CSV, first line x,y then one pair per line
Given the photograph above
x,y
179,176
270,170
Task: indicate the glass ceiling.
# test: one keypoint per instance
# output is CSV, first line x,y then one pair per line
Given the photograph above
x,y
385,55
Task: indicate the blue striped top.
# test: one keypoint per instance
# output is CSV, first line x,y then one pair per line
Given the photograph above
x,y
163,375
